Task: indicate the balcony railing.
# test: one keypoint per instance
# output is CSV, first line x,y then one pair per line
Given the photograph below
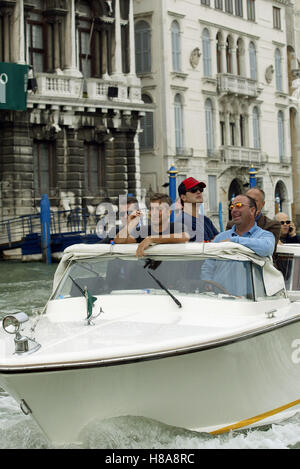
x,y
60,86
235,84
242,156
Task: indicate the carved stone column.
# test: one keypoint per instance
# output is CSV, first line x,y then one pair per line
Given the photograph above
x,y
70,42
104,53
7,34
118,43
131,40
18,33
237,142
227,128
223,57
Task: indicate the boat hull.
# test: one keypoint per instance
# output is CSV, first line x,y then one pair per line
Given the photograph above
x,y
213,389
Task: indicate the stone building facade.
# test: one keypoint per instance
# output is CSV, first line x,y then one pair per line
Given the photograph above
x,y
78,139
219,73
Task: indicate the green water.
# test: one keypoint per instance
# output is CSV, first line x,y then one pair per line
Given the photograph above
x,y
24,286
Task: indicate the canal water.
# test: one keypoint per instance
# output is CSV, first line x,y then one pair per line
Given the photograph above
x,y
27,286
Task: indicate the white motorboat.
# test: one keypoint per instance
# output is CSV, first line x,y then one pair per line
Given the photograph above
x,y
201,336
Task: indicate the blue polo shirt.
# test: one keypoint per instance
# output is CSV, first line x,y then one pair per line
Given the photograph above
x,y
199,229
262,242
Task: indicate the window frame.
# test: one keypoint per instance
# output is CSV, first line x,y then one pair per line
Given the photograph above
x,y
281,135
212,198
39,188
251,10
252,61
31,50
239,8
278,70
88,168
178,121
146,138
176,46
144,54
219,5
229,6
209,127
206,53
256,128
276,17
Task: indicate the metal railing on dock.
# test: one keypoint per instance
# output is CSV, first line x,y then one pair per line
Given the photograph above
x,y
15,230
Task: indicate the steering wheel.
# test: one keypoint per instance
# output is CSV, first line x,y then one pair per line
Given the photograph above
x,y
217,285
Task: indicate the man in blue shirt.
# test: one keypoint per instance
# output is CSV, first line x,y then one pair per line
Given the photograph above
x,y
245,230
233,276
200,228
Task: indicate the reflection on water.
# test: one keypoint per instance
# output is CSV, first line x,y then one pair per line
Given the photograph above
x,y
25,286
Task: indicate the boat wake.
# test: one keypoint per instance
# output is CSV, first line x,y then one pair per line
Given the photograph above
x,y
20,432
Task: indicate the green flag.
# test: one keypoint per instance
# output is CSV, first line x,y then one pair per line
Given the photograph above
x,y
90,303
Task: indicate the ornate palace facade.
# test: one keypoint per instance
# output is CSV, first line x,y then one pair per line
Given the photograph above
x,y
78,139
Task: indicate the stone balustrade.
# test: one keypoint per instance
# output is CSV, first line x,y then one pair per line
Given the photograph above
x,y
235,84
242,156
60,86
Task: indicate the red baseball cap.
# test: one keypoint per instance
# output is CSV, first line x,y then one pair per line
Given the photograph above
x,y
189,183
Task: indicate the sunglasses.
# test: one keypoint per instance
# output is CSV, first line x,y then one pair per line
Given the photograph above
x,y
193,190
285,222
238,205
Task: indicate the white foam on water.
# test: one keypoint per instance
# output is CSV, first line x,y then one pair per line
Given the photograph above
x,y
20,431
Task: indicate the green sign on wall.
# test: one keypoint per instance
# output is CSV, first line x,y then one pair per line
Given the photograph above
x,y
13,86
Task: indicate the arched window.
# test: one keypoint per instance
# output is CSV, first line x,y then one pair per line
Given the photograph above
x,y
252,59
178,123
209,127
176,46
143,47
256,131
278,72
146,137
280,121
206,53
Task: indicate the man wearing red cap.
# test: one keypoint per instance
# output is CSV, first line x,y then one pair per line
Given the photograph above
x,y
199,227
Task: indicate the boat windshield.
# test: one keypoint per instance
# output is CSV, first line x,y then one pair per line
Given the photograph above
x,y
211,277
289,266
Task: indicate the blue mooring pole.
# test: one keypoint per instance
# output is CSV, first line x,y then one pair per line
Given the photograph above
x,y
252,177
220,216
172,188
45,229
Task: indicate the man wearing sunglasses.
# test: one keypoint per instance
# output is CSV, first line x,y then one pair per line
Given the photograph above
x,y
245,230
262,220
231,275
200,228
288,233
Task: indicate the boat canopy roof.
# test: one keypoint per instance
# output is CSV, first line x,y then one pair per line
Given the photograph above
x,y
273,279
